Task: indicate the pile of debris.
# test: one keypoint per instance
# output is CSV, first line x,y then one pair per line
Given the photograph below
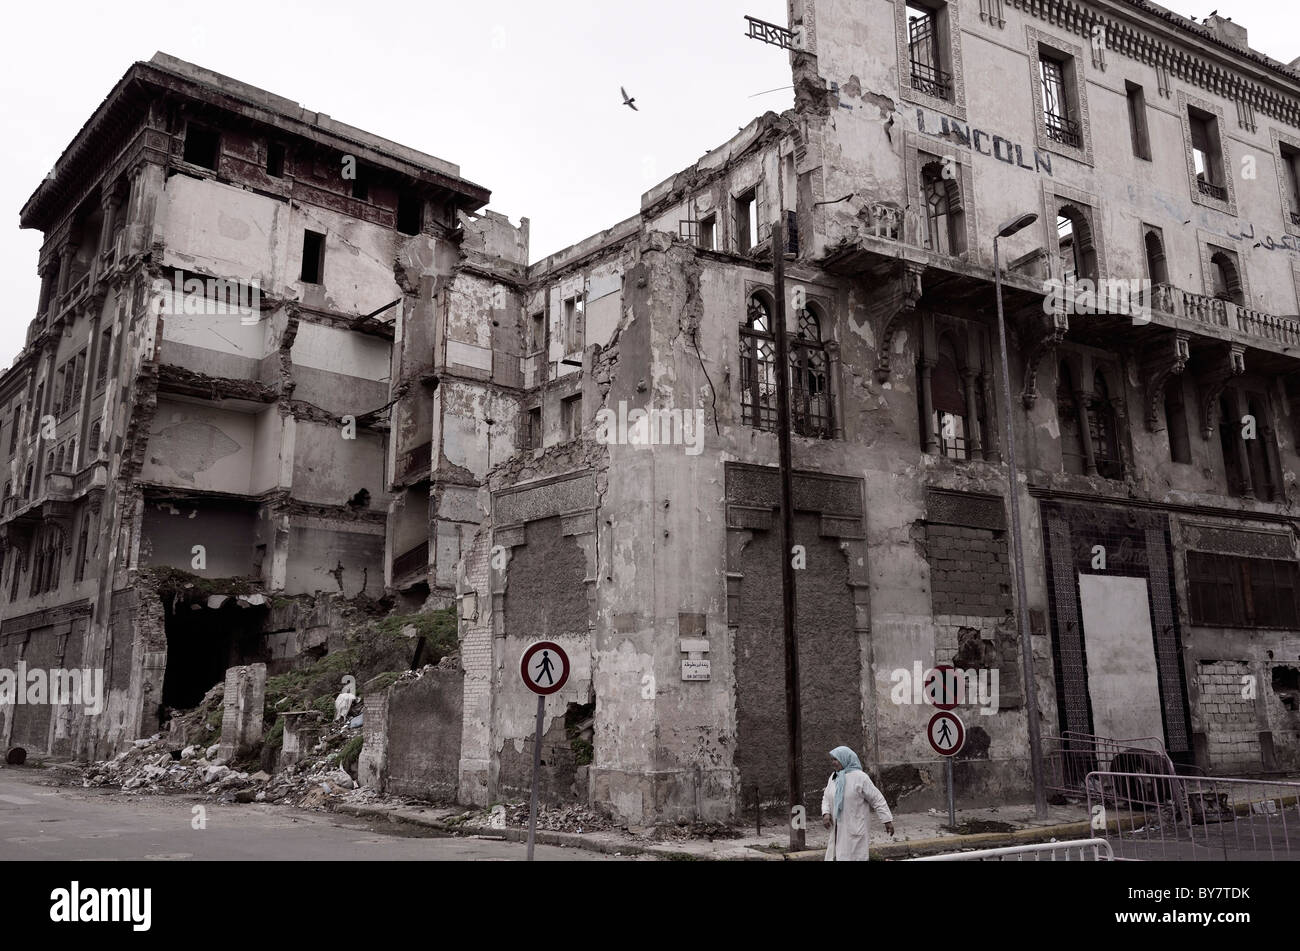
x,y
569,818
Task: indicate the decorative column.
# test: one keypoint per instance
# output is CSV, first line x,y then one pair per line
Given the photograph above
x,y
974,446
925,368
1085,432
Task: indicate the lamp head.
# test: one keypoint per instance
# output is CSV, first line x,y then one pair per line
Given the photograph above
x,y
1010,227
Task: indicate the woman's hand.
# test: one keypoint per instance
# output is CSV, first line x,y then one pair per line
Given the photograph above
x,y
889,827
826,819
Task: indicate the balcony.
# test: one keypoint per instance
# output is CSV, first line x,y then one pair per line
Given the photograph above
x,y
1219,315
59,486
413,562
1211,190
1063,130
931,80
415,463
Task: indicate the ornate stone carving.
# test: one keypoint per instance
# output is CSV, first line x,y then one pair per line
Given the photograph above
x,y
1167,356
895,303
1231,362
1041,340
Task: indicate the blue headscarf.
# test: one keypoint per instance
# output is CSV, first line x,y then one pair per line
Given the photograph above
x,y
848,761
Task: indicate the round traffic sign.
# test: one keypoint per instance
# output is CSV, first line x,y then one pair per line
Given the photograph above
x,y
946,733
544,667
940,688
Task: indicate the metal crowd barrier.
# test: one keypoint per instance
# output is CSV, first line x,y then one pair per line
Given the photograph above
x,y
1158,816
1087,850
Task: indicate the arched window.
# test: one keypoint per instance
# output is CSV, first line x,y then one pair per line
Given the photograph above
x,y
811,411
949,419
27,482
1074,237
1103,430
95,439
72,454
1067,417
758,365
942,201
49,461
58,459
1157,269
1224,279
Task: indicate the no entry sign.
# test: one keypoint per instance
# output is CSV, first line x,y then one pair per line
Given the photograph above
x,y
946,733
544,667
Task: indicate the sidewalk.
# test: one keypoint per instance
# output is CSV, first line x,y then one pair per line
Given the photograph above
x,y
915,833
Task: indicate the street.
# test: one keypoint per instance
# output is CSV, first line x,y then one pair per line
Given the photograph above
x,y
40,821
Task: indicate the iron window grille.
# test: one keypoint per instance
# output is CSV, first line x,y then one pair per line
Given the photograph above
x,y
811,402
1056,107
923,52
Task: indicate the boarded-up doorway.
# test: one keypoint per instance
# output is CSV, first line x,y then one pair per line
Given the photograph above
x,y
1122,682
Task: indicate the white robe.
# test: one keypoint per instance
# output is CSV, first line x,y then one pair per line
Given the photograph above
x,y
850,838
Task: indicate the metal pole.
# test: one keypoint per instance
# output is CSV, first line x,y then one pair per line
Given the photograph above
x,y
794,735
1022,608
537,762
952,807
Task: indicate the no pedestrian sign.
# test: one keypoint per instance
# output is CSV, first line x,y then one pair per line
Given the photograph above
x,y
946,733
544,667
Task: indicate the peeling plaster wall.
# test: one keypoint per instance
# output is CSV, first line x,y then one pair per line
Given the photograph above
x,y
200,446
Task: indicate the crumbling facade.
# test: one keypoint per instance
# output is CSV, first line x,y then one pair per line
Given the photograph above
x,y
229,374
584,449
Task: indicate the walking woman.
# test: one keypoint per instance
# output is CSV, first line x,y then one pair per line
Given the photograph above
x,y
846,806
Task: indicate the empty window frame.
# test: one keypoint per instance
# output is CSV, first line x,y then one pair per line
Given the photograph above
x,y
746,221
1291,181
533,429
361,184
1154,247
275,159
38,407
536,332
927,50
1103,430
951,411
105,352
708,236
410,212
575,327
1078,254
202,146
1225,278
811,405
1137,120
1180,445
941,198
571,416
758,366
313,257
1207,154
1229,591
1059,110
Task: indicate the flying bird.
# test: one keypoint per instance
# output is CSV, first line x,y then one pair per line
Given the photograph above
x,y
628,101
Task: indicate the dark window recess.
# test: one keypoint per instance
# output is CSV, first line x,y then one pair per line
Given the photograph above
x,y
925,52
1180,446
1137,120
275,160
746,221
202,146
409,209
708,237
313,257
533,429
1228,591
361,184
1057,107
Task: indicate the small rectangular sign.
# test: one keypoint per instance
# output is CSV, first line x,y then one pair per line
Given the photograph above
x,y
695,645
695,670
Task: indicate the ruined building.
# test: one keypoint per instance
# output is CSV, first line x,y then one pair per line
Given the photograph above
x,y
1157,421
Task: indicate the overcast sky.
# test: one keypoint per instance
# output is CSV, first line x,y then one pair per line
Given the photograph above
x,y
522,95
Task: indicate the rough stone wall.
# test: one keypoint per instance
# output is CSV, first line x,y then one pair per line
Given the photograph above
x,y
424,734
1231,723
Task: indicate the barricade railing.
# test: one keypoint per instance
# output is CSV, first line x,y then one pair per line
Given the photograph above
x,y
1073,850
1159,816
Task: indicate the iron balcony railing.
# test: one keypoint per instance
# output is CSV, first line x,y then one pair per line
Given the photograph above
x,y
931,80
1063,130
1211,190
415,561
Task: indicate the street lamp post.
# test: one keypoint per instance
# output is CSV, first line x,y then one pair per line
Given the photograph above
x,y
1013,490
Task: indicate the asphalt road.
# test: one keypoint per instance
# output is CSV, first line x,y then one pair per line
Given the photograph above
x,y
43,821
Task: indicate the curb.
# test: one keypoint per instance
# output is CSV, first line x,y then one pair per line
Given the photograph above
x,y
574,840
